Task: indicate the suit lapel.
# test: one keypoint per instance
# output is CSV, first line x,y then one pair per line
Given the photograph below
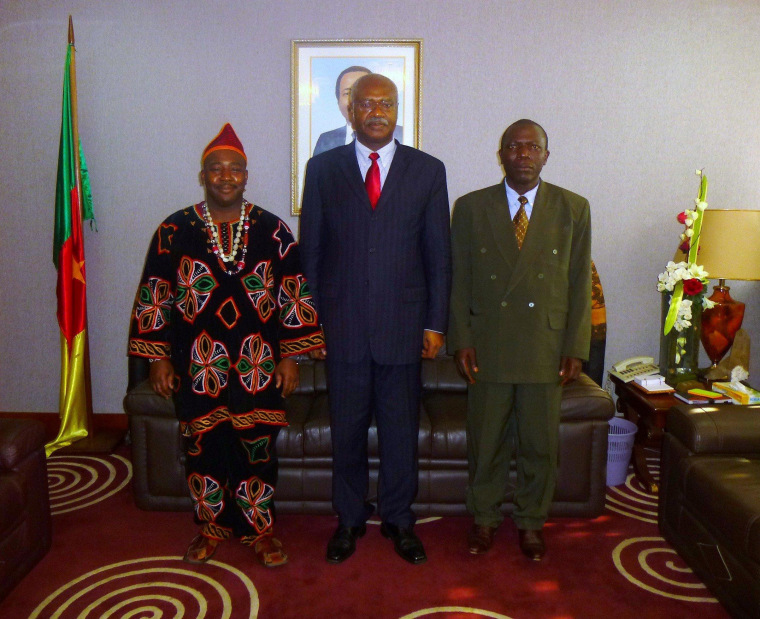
x,y
497,211
349,166
540,219
395,177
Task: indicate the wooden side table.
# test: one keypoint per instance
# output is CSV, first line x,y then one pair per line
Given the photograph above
x,y
648,411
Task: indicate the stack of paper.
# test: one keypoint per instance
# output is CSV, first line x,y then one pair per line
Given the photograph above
x,y
654,383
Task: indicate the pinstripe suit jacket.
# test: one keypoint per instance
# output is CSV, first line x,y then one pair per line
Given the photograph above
x,y
379,277
521,309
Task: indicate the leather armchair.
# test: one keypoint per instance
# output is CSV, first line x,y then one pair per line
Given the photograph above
x,y
709,503
25,523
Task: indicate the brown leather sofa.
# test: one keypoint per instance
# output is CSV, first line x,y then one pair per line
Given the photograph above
x,y
305,453
709,505
25,524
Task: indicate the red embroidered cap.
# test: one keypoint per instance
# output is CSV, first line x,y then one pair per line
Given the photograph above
x,y
226,138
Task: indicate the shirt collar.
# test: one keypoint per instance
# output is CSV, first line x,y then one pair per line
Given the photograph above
x,y
512,195
386,152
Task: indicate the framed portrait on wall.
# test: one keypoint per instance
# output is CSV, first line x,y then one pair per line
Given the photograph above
x,y
322,74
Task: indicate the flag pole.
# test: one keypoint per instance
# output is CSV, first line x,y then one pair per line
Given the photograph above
x,y
107,440
75,112
89,424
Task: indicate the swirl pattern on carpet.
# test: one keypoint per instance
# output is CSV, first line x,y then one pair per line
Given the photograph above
x,y
154,587
461,611
632,499
76,482
651,564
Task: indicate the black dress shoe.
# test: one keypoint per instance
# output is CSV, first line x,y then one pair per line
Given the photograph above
x,y
343,543
407,544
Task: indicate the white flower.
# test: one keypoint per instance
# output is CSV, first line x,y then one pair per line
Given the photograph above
x,y
689,233
707,304
683,318
697,271
698,172
701,206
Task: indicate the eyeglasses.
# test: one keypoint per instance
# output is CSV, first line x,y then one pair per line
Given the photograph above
x,y
371,104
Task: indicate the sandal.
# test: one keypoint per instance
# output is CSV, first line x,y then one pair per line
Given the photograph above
x,y
201,549
269,552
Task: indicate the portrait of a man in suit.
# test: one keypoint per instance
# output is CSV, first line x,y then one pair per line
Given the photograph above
x,y
376,252
345,133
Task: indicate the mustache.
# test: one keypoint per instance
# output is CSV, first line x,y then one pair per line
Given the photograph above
x,y
376,121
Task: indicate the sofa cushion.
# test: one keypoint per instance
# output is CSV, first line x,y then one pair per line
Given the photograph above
x,y
12,500
725,491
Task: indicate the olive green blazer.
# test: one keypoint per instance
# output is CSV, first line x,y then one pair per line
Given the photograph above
x,y
521,309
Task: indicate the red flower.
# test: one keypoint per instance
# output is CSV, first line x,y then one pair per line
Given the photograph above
x,y
681,218
692,286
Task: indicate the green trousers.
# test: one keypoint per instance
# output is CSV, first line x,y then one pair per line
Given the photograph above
x,y
502,418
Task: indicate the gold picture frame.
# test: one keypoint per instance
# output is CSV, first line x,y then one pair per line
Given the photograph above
x,y
317,119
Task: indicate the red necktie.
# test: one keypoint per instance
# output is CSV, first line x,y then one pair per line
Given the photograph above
x,y
372,180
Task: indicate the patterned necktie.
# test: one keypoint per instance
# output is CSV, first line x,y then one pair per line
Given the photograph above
x,y
372,180
521,221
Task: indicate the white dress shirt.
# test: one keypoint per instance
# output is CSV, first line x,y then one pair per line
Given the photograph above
x,y
514,202
386,158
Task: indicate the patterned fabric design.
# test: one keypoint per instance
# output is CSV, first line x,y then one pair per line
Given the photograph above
x,y
598,309
207,495
242,421
220,321
151,350
260,285
301,345
250,540
195,283
251,418
284,237
255,499
228,313
210,366
256,364
296,303
153,306
165,236
257,449
214,531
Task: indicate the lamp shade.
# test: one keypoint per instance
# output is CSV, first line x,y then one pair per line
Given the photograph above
x,y
730,244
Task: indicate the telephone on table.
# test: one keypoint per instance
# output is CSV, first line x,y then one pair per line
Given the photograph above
x,y
629,369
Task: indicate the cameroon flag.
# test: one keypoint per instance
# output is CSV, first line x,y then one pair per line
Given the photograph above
x,y
73,204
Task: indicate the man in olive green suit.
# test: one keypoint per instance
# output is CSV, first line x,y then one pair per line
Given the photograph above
x,y
520,325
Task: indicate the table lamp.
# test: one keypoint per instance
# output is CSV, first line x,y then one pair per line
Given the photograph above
x,y
729,249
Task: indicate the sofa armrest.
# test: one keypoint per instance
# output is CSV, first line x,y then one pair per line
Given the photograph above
x,y
142,400
719,429
18,439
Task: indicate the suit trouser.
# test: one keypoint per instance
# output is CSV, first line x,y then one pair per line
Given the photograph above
x,y
392,393
502,416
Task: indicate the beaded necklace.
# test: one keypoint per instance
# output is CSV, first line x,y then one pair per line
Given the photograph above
x,y
216,244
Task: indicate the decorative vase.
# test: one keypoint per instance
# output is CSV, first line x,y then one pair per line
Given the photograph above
x,y
679,350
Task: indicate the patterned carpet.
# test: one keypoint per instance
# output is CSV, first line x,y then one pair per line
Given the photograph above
x,y
111,560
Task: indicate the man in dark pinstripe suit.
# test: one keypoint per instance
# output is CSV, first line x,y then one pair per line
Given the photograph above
x,y
381,275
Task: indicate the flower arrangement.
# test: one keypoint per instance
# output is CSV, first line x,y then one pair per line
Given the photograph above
x,y
686,280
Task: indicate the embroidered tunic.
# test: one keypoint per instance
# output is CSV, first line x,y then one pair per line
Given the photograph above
x,y
224,332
